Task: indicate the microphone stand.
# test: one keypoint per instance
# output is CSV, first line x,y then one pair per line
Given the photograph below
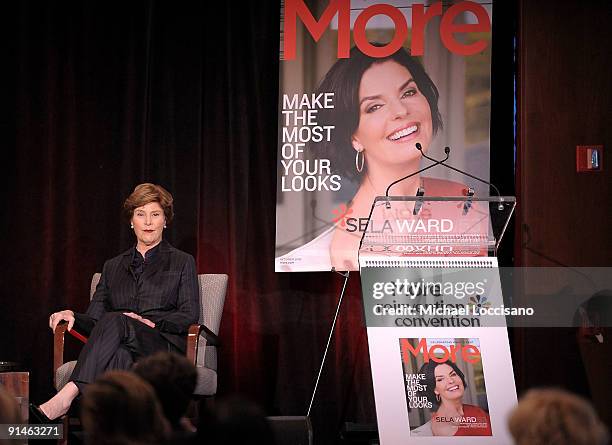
x,y
447,151
329,338
436,162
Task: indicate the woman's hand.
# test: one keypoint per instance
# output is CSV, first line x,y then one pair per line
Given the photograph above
x,y
57,317
140,319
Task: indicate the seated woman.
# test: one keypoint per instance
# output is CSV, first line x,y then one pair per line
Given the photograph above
x,y
146,299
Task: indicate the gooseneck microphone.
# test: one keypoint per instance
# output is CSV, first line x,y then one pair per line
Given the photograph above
x,y
436,162
447,152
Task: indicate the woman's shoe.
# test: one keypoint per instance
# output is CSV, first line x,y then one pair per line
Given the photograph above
x,y
37,415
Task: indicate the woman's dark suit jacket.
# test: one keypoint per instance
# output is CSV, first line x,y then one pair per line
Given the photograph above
x,y
166,293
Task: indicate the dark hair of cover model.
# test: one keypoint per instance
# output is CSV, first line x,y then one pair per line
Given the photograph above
x,y
344,79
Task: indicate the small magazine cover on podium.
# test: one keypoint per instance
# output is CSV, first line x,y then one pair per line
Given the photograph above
x,y
445,387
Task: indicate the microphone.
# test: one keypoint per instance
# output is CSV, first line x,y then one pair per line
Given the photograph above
x,y
447,152
436,162
388,205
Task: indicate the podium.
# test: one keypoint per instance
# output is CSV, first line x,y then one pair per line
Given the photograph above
x,y
440,361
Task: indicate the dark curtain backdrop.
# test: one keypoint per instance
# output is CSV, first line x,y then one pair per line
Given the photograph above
x,y
103,96
100,96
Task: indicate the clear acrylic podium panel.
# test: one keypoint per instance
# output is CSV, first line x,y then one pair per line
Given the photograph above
x,y
436,226
413,240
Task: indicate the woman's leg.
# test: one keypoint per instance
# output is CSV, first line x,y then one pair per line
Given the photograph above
x,y
116,341
101,349
60,403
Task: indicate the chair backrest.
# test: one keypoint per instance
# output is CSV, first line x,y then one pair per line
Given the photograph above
x,y
212,287
94,283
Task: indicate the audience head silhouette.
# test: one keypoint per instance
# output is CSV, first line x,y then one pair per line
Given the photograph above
x,y
120,408
173,378
553,416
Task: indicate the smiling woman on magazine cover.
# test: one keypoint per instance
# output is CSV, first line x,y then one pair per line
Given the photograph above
x,y
446,386
383,107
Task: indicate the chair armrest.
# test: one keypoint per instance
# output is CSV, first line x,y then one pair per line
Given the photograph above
x,y
58,344
193,340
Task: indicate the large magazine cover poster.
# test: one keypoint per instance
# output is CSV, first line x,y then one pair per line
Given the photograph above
x,y
445,387
362,85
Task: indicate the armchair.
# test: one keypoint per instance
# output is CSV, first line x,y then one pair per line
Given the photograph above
x,y
202,338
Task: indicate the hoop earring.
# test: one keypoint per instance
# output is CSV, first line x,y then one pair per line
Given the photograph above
x,y
359,162
438,398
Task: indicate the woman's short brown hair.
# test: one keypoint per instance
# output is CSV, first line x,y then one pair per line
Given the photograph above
x,y
146,193
554,416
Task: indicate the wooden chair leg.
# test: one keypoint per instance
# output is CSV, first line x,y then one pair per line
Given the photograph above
x,y
65,425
